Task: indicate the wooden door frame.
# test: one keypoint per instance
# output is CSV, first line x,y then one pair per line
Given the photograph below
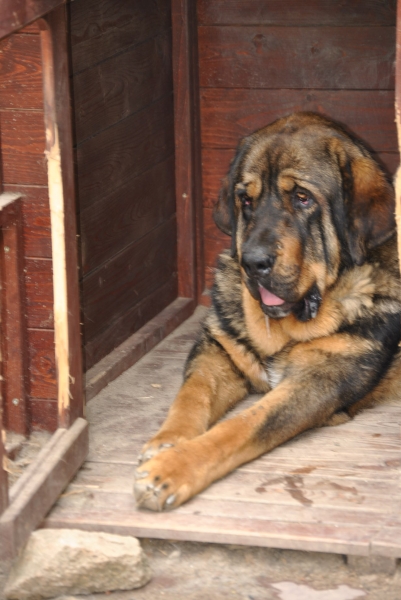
x,y
189,210
398,122
27,502
187,150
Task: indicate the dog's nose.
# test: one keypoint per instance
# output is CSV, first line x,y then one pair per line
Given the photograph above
x,y
257,262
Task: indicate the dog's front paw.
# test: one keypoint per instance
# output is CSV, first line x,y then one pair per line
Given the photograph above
x,y
166,480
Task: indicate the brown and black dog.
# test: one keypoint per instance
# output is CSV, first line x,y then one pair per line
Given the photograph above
x,y
305,308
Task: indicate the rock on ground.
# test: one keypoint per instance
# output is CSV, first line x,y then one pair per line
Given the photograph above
x,y
67,561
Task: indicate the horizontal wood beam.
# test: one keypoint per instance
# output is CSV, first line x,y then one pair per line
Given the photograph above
x,y
39,487
15,14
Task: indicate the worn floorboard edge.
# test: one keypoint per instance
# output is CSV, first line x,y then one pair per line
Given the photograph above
x,y
39,487
226,530
136,346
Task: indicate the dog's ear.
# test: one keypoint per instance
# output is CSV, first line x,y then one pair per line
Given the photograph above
x,y
224,213
368,202
221,210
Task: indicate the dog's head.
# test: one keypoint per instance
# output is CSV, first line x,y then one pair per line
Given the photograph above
x,y
302,200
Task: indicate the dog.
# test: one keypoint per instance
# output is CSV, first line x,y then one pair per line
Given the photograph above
x,y
305,307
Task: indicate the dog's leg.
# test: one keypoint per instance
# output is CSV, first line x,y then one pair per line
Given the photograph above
x,y
212,387
309,395
175,475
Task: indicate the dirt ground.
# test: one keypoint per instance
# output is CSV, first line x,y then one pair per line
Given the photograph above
x,y
194,571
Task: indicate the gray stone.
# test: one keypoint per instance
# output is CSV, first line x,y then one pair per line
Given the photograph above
x,y
67,561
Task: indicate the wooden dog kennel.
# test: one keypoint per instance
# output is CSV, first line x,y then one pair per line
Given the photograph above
x,y
118,122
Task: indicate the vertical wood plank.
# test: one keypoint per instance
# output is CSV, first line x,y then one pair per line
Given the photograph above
x,y
13,323
63,219
398,122
187,149
19,13
3,472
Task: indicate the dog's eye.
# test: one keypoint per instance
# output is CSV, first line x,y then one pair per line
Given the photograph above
x,y
303,199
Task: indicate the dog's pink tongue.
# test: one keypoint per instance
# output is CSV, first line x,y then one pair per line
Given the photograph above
x,y
268,298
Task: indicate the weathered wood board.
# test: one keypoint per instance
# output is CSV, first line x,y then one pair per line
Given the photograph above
x,y
24,172
122,80
336,489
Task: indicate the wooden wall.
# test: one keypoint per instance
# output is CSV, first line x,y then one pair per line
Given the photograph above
x,y
260,60
123,104
24,170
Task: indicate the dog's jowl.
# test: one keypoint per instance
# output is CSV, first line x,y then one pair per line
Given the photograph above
x,y
305,307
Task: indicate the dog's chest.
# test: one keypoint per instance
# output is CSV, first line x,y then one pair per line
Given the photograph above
x,y
274,373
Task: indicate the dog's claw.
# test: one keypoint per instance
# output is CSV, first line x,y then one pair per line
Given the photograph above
x,y
141,474
170,500
151,451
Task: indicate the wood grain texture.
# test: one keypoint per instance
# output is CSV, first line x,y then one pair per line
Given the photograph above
x,y
140,269
55,50
187,150
16,14
24,171
136,208
228,115
3,474
23,146
32,29
121,153
38,488
352,13
13,311
39,293
130,322
283,57
36,220
43,414
21,72
42,366
122,85
215,165
100,28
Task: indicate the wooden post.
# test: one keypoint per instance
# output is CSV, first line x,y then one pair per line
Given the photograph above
x,y
63,216
398,121
13,315
187,150
13,409
3,472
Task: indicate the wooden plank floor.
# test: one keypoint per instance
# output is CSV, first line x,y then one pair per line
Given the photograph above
x,y
336,489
